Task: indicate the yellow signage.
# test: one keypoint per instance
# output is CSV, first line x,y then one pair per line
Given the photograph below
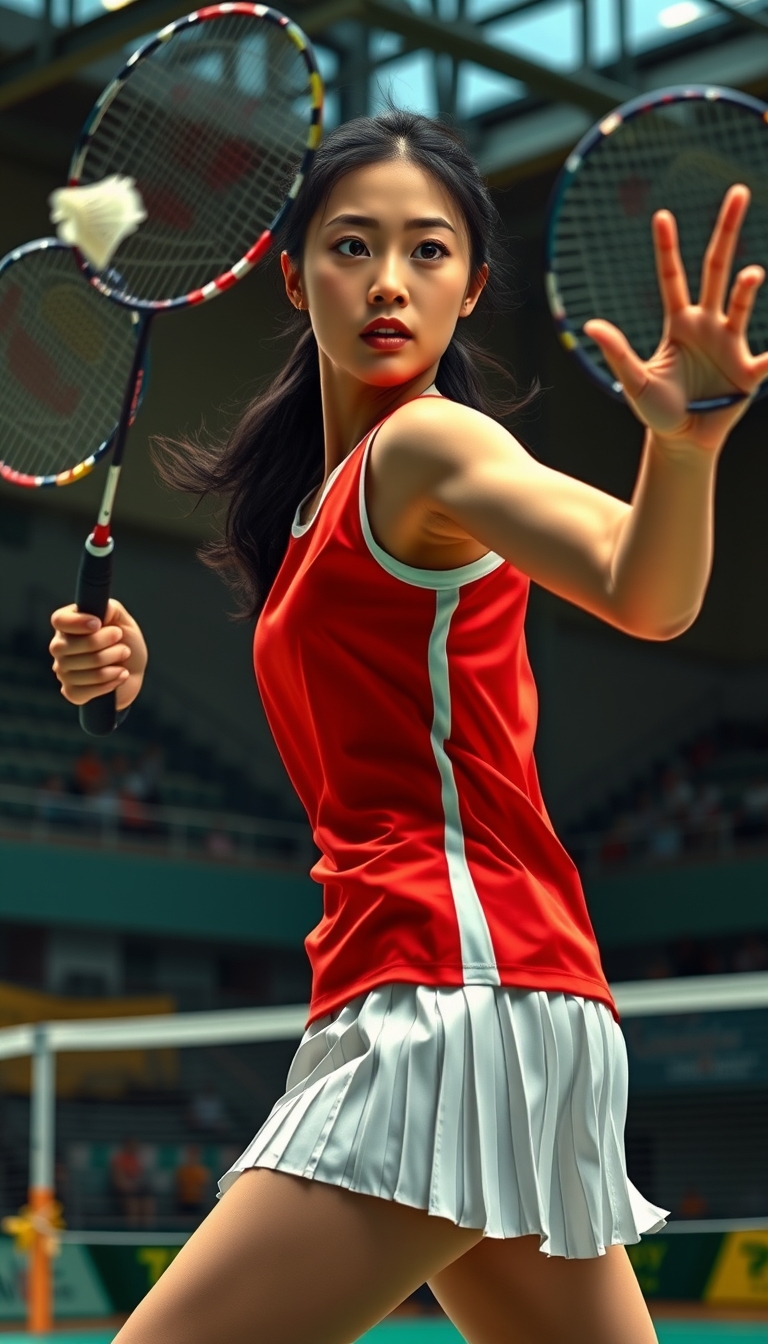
x,y
740,1273
157,1259
96,1073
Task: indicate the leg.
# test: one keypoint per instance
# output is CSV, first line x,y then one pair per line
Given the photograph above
x,y
284,1260
507,1292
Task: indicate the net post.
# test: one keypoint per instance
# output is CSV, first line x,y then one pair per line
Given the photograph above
x,y
41,1191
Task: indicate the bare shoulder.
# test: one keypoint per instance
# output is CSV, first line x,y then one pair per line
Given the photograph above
x,y
432,437
429,454
439,428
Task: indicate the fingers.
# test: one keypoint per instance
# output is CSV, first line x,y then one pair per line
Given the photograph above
x,y
79,693
79,668
718,258
670,271
65,645
621,359
68,620
87,662
742,300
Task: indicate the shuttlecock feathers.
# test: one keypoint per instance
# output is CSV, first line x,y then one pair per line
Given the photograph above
x,y
98,217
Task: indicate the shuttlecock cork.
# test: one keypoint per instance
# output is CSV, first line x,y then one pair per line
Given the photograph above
x,y
97,218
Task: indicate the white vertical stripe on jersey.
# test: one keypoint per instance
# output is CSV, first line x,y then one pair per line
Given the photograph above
x,y
478,960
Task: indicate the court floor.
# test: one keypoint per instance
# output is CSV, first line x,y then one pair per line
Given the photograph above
x,y
441,1332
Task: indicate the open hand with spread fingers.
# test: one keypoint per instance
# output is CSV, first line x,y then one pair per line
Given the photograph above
x,y
704,349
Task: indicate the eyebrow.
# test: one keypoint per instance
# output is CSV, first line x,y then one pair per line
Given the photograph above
x,y
366,221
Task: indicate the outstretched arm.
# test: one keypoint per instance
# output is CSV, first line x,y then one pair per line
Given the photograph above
x,y
642,566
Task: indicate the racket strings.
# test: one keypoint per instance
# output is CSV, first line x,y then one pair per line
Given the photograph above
x,y
213,125
65,353
681,158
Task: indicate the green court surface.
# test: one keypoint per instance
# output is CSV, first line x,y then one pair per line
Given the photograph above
x,y
669,1332
440,1332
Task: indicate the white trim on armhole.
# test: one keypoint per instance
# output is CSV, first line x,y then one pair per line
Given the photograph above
x,y
420,578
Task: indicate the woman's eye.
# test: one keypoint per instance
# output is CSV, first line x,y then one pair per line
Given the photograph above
x,y
351,247
431,251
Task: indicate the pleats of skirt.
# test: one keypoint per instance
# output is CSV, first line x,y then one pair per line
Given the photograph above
x,y
497,1108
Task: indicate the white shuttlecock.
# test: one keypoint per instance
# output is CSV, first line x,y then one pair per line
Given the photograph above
x,y
97,218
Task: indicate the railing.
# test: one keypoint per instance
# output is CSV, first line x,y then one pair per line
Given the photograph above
x,y
226,837
663,843
112,823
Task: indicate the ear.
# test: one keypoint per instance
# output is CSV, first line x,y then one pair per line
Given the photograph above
x,y
292,278
474,290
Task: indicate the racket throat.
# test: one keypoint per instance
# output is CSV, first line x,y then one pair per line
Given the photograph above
x,y
100,540
99,545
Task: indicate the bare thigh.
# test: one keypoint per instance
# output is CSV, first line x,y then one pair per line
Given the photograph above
x,y
507,1292
285,1260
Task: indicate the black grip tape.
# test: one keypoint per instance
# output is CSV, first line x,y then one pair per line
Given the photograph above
x,y
94,584
98,717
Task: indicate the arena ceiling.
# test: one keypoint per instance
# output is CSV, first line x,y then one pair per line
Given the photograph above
x,y
523,79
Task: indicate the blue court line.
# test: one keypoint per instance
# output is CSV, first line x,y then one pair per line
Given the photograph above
x,y
442,1332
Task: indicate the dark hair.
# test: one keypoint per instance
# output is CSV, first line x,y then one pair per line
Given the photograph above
x,y
275,454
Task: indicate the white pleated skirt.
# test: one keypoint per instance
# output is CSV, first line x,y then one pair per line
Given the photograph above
x,y
500,1109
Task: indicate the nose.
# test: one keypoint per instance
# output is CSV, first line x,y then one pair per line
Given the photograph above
x,y
389,284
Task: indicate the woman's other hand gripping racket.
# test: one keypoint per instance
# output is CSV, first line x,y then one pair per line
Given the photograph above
x,y
93,659
703,355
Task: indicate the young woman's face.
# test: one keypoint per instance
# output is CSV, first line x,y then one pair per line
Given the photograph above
x,y
385,273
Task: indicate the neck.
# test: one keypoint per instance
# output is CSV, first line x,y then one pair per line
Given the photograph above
x,y
351,408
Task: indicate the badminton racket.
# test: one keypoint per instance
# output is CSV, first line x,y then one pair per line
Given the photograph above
x,y
215,120
677,149
65,356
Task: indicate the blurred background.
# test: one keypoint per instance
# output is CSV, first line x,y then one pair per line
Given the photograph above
x,y
165,869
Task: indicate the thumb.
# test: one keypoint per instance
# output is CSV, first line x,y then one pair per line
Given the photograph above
x,y
621,359
116,613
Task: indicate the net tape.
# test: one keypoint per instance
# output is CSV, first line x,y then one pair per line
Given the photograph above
x,y
681,157
213,127
65,357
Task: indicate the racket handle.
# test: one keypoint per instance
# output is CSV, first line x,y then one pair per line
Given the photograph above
x,y
94,582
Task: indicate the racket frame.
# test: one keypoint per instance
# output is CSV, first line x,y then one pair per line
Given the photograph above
x,y
84,468
104,281
568,334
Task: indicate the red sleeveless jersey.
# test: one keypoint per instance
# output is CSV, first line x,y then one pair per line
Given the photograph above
x,y
404,708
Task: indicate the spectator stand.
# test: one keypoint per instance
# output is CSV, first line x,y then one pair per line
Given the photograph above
x,y
709,800
147,787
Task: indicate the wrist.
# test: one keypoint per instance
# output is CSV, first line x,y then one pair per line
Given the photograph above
x,y
680,449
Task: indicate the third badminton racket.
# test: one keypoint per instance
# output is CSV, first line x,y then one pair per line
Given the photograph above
x,y
677,149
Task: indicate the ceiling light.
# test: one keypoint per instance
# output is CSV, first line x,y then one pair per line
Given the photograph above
x,y
676,16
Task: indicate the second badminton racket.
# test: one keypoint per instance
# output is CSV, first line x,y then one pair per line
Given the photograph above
x,y
65,356
215,120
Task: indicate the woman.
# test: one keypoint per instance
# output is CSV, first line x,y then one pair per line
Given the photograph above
x,y
457,1103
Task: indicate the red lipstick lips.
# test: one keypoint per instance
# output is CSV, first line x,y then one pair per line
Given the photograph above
x,y
386,333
